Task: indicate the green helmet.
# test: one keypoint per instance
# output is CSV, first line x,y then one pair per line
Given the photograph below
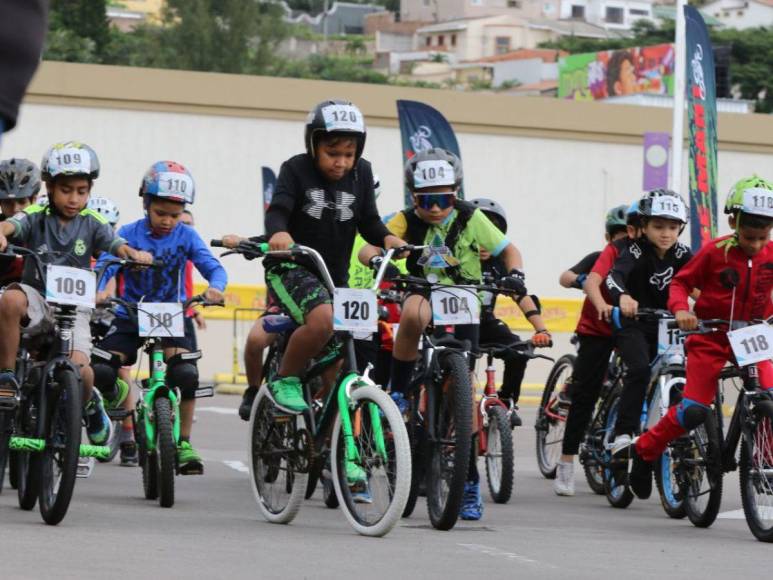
x,y
752,195
616,218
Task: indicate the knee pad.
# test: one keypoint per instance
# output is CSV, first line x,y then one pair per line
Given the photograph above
x,y
182,372
691,414
105,366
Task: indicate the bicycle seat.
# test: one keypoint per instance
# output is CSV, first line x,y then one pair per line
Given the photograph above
x,y
278,323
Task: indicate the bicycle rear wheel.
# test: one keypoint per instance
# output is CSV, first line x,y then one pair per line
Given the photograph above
x,y
278,475
26,476
6,428
668,487
499,455
618,494
551,420
58,463
166,451
449,445
756,467
383,456
703,468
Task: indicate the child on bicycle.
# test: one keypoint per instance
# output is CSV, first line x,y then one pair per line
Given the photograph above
x,y
494,330
19,187
641,277
454,231
71,234
595,345
734,274
165,190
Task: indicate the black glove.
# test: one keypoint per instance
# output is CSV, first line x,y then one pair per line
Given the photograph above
x,y
515,281
391,270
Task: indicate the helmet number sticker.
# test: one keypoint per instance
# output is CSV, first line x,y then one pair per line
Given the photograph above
x,y
171,184
669,207
69,160
342,118
433,173
758,201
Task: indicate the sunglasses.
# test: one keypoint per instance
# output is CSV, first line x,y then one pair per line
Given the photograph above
x,y
442,200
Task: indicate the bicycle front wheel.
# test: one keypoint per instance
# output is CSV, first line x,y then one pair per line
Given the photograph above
x,y
703,465
756,467
373,485
275,442
617,492
449,446
499,455
148,459
166,451
58,463
551,419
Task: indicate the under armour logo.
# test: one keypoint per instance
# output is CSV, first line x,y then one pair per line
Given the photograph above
x,y
635,250
318,204
662,279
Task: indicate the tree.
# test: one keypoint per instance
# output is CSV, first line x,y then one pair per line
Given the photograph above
x,y
86,19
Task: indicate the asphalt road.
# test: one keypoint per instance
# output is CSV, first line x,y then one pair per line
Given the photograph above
x,y
214,530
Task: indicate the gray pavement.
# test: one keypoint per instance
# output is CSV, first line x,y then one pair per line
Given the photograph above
x,y
215,531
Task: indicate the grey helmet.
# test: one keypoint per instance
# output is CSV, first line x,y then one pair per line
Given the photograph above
x,y
335,116
433,167
70,158
19,179
493,210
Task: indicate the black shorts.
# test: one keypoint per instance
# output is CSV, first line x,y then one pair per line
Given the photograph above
x,y
123,337
296,290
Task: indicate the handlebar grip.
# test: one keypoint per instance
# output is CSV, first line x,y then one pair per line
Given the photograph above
x,y
616,322
216,243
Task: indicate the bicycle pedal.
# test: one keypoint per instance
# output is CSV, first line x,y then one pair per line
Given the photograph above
x,y
192,469
85,467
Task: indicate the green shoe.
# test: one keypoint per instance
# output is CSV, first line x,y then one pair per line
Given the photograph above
x,y
355,473
123,391
189,459
287,393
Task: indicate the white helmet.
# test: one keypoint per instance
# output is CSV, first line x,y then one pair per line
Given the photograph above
x,y
106,209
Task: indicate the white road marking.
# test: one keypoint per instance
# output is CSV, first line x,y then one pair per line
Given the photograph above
x,y
496,552
237,466
220,410
765,512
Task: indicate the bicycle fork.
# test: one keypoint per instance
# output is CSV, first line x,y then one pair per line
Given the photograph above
x,y
349,427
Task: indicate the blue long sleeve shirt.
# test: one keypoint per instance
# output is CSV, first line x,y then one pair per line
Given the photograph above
x,y
165,284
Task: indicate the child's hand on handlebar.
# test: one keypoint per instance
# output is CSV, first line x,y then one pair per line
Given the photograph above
x,y
392,241
280,242
542,339
686,320
214,295
103,296
628,306
140,256
231,241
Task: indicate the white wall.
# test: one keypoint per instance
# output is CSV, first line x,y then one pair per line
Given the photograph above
x,y
556,192
752,15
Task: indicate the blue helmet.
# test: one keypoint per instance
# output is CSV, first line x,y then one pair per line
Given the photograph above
x,y
168,180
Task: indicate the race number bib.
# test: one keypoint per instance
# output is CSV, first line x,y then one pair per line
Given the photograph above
x,y
67,285
455,305
669,206
670,340
343,118
433,173
175,184
758,201
160,319
752,344
69,160
355,310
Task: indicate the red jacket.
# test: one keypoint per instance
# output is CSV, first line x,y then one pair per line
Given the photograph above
x,y
706,271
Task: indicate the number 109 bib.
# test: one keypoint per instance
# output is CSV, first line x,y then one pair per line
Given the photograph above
x,y
67,285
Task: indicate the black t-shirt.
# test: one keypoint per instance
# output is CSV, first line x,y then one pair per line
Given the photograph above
x,y
325,215
585,265
22,31
639,272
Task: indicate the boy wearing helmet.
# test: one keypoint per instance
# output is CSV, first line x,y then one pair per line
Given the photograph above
x,y
106,208
494,330
735,277
165,190
641,277
594,338
73,235
19,187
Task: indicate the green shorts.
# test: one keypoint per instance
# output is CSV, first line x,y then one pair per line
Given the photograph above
x,y
295,290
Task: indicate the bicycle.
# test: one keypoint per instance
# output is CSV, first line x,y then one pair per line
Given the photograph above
x,y
47,422
355,422
157,413
495,435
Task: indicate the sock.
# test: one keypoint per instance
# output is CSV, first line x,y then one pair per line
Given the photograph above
x,y
401,375
185,438
127,434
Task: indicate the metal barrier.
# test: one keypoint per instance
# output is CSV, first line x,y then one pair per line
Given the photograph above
x,y
243,319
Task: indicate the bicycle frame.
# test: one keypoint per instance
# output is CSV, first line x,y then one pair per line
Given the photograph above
x,y
156,387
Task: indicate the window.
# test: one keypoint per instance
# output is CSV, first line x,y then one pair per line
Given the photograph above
x,y
578,12
614,15
638,12
428,41
513,3
441,40
453,40
502,44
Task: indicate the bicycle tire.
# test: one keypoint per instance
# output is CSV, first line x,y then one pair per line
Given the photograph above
x,y
269,437
13,471
6,422
592,450
114,442
63,427
547,458
148,460
453,424
752,482
618,495
27,477
388,479
707,442
418,461
166,451
499,457
668,487
329,493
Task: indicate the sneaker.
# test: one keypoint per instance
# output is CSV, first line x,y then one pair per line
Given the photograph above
x,y
515,418
563,484
189,459
99,427
403,404
287,394
129,455
122,391
360,492
621,444
641,475
245,408
472,503
563,397
9,391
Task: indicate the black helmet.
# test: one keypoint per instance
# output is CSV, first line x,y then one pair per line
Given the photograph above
x,y
19,179
663,203
335,116
493,210
433,167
